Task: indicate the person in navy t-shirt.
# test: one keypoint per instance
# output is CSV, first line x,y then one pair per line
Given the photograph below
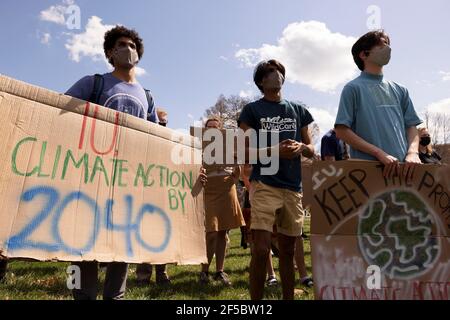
x,y
276,198
332,148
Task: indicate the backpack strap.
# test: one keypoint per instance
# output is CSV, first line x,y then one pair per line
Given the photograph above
x,y
97,89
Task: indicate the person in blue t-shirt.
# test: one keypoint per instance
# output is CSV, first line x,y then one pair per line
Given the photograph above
x,y
120,91
276,198
376,117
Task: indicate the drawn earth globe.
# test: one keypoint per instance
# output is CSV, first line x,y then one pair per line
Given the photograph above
x,y
397,232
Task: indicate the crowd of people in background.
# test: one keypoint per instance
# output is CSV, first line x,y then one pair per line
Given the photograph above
x,y
376,120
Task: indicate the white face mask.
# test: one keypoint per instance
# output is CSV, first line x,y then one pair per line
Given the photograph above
x,y
380,56
273,80
125,57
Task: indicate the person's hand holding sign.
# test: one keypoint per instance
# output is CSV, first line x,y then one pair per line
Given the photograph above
x,y
201,181
411,160
391,164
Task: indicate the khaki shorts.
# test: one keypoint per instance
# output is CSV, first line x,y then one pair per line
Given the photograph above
x,y
280,206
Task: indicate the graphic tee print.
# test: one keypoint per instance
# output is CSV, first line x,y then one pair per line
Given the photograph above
x,y
285,119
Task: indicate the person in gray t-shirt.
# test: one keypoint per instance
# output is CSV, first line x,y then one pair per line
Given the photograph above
x,y
123,48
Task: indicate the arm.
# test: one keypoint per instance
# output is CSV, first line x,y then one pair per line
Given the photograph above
x,y
345,120
412,157
306,148
345,133
246,171
413,149
285,148
411,121
348,136
248,121
199,183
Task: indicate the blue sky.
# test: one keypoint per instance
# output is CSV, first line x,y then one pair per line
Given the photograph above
x,y
196,50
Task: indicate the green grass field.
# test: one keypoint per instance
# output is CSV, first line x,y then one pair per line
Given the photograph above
x,y
47,280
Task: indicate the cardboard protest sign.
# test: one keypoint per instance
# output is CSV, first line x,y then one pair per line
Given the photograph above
x,y
83,182
362,223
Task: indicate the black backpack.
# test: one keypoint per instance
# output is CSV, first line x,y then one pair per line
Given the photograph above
x,y
98,89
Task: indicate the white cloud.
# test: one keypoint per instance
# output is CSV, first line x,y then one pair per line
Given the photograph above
x,y
249,57
223,58
90,43
323,118
425,82
140,72
247,93
441,106
445,75
312,54
45,38
56,13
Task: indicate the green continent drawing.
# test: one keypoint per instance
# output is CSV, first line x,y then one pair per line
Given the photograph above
x,y
395,233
